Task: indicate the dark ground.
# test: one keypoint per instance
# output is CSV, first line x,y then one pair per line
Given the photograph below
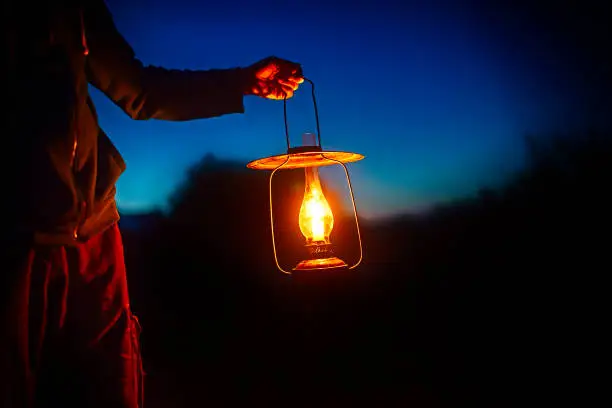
x,y
493,302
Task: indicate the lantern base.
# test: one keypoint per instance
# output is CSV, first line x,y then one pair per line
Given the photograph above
x,y
320,263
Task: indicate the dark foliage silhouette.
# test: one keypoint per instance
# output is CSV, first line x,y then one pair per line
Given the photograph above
x,y
464,306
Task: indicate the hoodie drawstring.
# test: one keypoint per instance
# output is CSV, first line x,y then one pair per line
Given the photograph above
x,y
73,162
83,36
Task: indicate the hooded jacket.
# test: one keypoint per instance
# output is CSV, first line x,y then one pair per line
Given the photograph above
x,y
60,181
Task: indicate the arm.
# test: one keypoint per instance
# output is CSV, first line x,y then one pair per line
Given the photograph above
x,y
145,92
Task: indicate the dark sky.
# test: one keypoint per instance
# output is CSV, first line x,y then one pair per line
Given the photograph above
x,y
437,94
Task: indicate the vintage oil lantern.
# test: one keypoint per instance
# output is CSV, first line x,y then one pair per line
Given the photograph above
x,y
315,218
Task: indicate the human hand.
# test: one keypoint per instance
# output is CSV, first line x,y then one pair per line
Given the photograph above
x,y
273,78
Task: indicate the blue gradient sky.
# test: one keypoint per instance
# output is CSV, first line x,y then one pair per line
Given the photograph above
x,y
437,95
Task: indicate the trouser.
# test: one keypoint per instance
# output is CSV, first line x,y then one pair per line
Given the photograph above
x,y
70,338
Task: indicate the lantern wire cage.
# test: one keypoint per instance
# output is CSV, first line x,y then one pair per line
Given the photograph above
x,y
309,156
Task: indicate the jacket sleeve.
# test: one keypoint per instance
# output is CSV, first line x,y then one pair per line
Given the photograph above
x,y
145,92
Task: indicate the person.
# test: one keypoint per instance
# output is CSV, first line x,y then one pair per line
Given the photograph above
x,y
69,336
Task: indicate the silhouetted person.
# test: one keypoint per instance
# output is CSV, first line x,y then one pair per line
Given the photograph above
x,y
70,338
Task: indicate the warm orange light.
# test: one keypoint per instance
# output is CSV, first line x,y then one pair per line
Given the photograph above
x,y
316,222
316,218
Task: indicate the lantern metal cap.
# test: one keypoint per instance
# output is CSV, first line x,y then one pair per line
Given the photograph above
x,y
308,157
304,149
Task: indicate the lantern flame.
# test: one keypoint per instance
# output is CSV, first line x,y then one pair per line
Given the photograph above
x,y
316,218
316,223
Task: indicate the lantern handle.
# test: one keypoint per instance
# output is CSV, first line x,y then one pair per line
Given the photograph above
x,y
316,111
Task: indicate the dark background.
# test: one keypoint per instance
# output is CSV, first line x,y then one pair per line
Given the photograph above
x,y
486,302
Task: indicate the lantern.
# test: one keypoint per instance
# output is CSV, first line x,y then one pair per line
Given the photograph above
x,y
315,218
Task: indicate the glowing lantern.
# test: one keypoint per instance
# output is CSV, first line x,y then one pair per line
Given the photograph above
x,y
315,219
